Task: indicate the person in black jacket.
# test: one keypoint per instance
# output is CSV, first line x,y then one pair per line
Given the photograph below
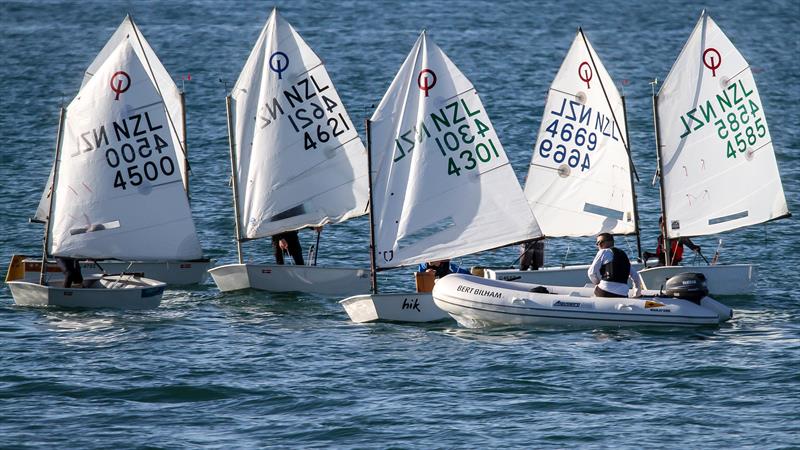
x,y
611,268
532,256
72,271
287,241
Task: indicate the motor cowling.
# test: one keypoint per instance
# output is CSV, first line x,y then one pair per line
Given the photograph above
x,y
687,286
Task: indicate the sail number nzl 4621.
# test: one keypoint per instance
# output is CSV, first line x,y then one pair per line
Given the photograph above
x,y
313,110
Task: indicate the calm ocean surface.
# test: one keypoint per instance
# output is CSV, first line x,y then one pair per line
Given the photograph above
x,y
253,369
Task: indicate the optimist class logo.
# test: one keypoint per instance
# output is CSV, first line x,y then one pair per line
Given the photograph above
x,y
426,80
710,61
120,82
585,73
279,62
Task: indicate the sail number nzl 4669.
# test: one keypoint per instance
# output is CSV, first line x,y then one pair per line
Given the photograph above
x,y
573,133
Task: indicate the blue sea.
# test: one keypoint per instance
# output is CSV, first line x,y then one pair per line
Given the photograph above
x,y
259,370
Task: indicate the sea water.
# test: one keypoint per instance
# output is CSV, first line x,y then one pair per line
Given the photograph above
x,y
253,369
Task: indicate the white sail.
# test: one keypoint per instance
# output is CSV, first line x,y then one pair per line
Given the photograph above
x,y
718,165
128,31
300,161
442,184
118,190
44,202
579,181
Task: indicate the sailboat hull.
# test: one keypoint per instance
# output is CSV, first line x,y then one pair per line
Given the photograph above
x,y
404,307
174,273
286,278
478,302
111,291
554,276
722,279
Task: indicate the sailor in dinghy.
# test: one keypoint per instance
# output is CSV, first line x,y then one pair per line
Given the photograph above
x,y
716,169
173,272
296,162
125,199
580,178
441,186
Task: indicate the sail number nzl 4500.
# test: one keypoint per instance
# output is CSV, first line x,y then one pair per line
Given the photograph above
x,y
133,148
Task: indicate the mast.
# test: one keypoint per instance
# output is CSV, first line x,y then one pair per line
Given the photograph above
x,y
185,145
46,240
605,94
235,182
633,189
665,244
372,267
625,141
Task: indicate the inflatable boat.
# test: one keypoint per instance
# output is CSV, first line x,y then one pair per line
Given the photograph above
x,y
478,302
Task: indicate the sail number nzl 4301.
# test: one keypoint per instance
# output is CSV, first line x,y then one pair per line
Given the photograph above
x,y
135,149
461,132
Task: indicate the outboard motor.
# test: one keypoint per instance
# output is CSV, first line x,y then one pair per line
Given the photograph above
x,y
687,286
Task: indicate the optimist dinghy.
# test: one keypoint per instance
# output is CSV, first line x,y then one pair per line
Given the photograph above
x,y
296,159
580,178
115,189
174,273
191,270
716,160
478,302
441,184
127,291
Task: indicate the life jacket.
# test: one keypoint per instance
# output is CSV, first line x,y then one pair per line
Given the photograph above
x,y
676,253
618,269
442,270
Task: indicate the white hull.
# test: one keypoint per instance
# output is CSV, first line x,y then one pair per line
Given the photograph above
x,y
478,302
286,278
408,307
551,276
723,279
111,291
170,272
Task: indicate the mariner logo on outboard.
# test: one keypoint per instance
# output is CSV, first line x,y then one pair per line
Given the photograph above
x,y
568,304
